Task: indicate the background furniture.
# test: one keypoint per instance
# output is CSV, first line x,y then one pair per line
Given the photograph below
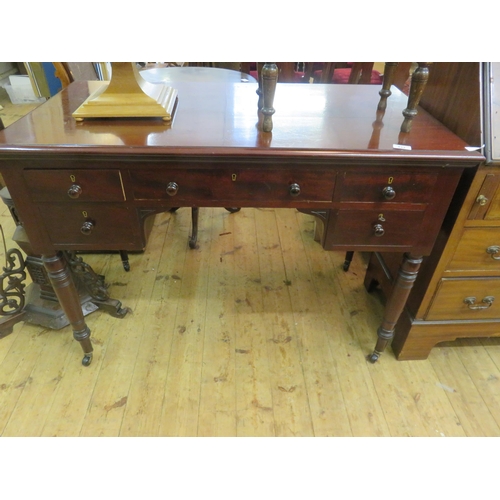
x,y
336,165
353,73
456,293
192,74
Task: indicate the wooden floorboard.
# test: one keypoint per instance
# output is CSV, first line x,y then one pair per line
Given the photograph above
x,y
257,332
253,389
323,385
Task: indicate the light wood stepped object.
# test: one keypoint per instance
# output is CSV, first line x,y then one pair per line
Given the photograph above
x,y
128,95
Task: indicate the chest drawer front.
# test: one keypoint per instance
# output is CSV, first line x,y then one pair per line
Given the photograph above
x,y
371,228
487,203
477,250
70,185
97,227
460,299
386,187
239,186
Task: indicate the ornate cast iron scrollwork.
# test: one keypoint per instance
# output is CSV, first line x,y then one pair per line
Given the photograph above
x,y
12,297
93,283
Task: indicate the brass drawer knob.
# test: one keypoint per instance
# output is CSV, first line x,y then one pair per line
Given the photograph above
x,y
74,191
172,188
482,200
87,227
294,189
494,251
471,303
389,193
378,230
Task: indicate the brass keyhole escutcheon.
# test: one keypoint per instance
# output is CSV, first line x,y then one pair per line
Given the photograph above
x,y
233,177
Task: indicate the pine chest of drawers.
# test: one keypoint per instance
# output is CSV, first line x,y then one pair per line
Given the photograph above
x,y
461,297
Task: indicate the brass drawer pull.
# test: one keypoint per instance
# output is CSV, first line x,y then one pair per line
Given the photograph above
x,y
379,230
482,200
294,189
87,227
172,188
494,251
389,193
471,303
74,191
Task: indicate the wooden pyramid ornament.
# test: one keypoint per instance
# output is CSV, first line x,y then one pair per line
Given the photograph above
x,y
128,95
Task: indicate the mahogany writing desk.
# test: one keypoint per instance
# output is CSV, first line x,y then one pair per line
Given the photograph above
x,y
93,185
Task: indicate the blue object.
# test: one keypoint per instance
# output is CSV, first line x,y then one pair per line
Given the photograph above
x,y
53,82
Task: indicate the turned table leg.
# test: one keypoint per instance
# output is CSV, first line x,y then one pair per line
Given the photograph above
x,y
194,227
64,287
401,290
269,78
418,82
385,92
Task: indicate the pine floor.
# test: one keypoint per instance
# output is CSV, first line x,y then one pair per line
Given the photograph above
x,y
257,332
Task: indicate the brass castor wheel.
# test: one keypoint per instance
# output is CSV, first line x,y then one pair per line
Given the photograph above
x,y
373,357
87,359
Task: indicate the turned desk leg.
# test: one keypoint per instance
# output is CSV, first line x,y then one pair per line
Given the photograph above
x,y
385,92
64,287
259,89
193,239
401,290
269,79
417,86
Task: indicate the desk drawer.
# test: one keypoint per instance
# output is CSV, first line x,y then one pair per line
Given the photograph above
x,y
478,250
239,187
449,302
398,187
70,185
98,227
371,228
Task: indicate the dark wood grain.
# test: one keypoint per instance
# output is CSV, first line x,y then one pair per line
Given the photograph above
x,y
452,95
319,120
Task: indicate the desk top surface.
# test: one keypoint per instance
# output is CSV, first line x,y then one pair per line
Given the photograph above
x,y
221,118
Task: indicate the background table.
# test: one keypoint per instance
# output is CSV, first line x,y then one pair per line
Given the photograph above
x,y
176,74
